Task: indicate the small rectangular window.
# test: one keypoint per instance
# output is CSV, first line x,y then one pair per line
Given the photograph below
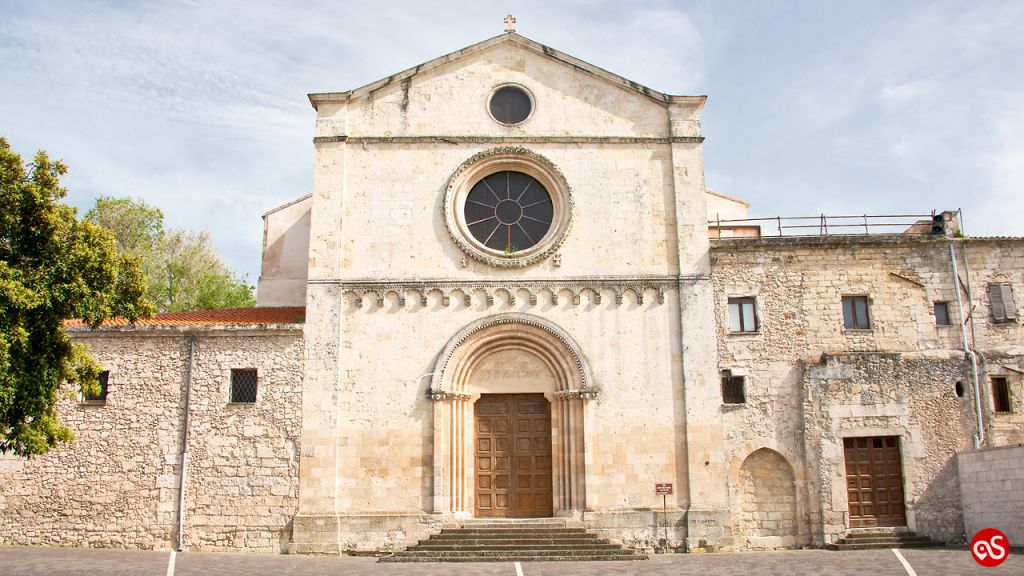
x,y
942,314
733,388
855,313
243,386
101,396
742,315
1000,299
1000,394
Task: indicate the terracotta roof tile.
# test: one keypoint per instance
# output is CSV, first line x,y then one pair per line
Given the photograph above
x,y
255,315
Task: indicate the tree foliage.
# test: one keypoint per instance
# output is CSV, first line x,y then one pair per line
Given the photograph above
x,y
183,270
53,267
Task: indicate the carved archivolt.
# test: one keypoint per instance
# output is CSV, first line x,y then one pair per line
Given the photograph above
x,y
454,392
542,337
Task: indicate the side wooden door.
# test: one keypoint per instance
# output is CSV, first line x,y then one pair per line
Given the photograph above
x,y
874,481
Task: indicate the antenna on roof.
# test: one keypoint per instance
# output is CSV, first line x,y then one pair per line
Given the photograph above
x,y
510,24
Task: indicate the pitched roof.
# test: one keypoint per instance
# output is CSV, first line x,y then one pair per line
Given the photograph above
x,y
731,198
223,316
316,98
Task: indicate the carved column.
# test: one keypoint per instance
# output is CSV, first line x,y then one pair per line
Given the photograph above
x,y
568,451
451,410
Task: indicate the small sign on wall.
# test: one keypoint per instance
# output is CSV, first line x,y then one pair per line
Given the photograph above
x,y
663,488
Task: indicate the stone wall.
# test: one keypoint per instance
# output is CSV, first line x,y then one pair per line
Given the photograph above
x,y
810,382
117,484
992,490
285,263
886,394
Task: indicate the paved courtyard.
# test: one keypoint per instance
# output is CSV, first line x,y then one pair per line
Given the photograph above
x,y
29,561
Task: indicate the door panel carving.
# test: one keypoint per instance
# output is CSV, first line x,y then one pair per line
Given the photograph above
x,y
874,481
513,439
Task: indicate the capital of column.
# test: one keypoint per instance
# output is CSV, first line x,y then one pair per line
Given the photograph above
x,y
578,394
442,395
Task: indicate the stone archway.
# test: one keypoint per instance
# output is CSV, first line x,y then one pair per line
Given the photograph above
x,y
767,501
465,370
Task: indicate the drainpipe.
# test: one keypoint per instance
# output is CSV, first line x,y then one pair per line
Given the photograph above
x,y
184,443
974,342
979,438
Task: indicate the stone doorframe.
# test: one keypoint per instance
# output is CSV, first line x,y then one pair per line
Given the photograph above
x,y
454,394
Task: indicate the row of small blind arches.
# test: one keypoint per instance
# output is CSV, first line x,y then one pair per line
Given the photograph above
x,y
742,316
243,387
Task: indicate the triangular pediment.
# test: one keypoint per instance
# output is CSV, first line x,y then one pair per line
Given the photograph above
x,y
522,42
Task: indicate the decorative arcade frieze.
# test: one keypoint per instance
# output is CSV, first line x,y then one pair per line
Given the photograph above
x,y
576,290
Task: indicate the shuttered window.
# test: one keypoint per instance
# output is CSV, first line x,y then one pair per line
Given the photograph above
x,y
855,313
1000,299
733,388
1000,394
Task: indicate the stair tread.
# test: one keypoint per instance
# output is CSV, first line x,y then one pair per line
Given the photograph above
x,y
514,541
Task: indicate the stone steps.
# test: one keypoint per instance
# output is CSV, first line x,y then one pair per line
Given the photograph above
x,y
876,540
514,541
518,545
446,535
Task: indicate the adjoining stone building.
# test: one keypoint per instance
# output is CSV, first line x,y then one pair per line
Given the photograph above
x,y
510,294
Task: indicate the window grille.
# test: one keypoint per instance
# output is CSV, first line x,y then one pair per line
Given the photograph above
x,y
733,388
942,314
742,315
855,313
243,386
1000,299
101,396
1000,394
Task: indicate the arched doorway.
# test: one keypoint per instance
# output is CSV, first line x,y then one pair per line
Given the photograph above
x,y
521,372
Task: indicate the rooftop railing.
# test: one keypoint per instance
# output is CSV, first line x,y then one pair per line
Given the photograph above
x,y
937,223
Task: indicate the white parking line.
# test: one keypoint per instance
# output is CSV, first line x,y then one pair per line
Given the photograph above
x,y
906,565
170,564
519,569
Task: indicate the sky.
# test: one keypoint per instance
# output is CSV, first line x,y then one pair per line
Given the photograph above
x,y
200,108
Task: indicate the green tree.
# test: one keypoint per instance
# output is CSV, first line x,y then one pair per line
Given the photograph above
x,y
182,268
53,267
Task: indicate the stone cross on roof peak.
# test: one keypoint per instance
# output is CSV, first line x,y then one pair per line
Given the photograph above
x,y
510,23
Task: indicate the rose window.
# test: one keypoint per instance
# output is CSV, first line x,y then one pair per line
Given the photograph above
x,y
508,211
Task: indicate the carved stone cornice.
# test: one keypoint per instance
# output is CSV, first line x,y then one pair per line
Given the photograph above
x,y
641,286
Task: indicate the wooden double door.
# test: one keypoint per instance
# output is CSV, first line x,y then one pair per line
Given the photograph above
x,y
874,481
513,456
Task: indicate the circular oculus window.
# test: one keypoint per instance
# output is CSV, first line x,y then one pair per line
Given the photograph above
x,y
508,211
510,104
508,207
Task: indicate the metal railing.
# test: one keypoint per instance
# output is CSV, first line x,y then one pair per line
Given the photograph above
x,y
824,225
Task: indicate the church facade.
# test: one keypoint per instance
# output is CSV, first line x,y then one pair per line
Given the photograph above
x,y
510,294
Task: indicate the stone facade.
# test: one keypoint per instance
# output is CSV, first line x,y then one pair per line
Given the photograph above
x,y
810,382
362,437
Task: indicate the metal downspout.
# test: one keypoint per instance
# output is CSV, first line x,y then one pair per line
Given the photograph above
x,y
184,443
974,343
979,438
